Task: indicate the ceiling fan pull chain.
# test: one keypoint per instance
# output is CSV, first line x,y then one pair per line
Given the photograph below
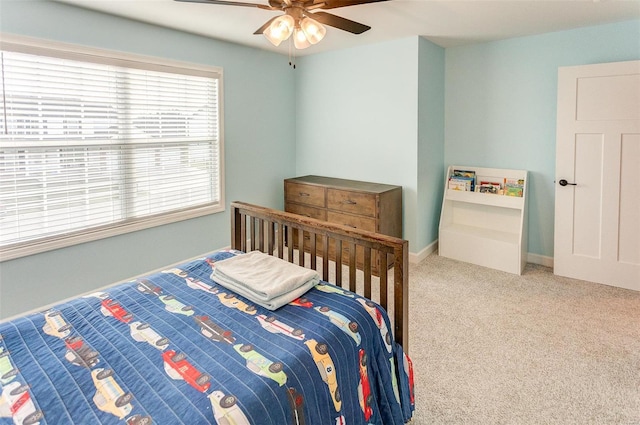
x,y
292,55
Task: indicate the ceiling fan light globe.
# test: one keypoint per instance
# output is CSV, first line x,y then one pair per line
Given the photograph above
x,y
313,30
279,30
300,39
276,42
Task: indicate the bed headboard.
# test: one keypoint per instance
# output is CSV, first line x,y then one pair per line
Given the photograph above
x,y
273,231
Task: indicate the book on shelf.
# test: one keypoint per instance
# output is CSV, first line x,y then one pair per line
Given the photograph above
x,y
489,187
514,187
463,173
462,180
459,184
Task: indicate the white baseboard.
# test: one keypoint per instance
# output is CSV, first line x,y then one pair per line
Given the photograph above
x,y
543,260
424,253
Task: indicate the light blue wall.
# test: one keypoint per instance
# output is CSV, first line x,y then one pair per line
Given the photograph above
x,y
356,117
500,106
259,151
430,143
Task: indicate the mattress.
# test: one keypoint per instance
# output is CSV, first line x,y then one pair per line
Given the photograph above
x,y
174,347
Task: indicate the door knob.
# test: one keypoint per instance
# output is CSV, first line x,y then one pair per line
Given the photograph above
x,y
563,182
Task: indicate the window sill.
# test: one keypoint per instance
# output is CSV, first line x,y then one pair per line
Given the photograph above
x,y
12,252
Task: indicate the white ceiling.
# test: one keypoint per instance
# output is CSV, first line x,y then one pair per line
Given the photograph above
x,y
447,23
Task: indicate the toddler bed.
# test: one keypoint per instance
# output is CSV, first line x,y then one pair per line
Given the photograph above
x,y
176,347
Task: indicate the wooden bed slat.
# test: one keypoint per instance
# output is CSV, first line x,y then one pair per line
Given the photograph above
x,y
261,235
338,262
289,244
301,248
270,238
280,240
352,267
384,290
367,272
243,232
314,258
252,232
325,257
385,248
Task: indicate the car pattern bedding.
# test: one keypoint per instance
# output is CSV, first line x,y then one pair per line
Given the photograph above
x,y
174,347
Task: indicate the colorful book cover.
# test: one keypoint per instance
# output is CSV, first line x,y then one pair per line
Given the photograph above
x,y
465,175
513,191
459,184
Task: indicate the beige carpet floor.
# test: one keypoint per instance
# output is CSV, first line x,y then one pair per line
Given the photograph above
x,y
490,347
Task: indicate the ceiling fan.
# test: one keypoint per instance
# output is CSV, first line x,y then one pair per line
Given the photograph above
x,y
298,19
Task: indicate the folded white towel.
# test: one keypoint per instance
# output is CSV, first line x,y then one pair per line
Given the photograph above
x,y
277,302
262,277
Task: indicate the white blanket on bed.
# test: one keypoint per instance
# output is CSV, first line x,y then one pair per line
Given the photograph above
x,y
264,279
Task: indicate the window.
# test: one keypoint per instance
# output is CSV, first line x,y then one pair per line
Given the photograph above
x,y
93,145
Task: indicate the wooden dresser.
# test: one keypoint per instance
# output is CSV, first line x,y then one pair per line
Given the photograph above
x,y
368,206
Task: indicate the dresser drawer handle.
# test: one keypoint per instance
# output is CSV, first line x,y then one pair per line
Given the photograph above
x,y
349,225
349,202
303,194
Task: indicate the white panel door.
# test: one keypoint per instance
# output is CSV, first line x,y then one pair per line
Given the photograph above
x,y
597,215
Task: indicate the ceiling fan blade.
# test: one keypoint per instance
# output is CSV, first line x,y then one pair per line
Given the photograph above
x,y
340,23
264,27
333,4
232,3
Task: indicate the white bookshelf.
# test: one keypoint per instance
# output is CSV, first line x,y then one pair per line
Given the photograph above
x,y
485,228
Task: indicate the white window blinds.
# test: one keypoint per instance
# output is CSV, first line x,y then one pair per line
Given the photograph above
x,y
91,143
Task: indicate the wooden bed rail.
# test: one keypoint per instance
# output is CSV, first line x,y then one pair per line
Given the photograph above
x,y
264,229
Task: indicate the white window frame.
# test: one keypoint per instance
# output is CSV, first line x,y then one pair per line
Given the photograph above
x,y
31,45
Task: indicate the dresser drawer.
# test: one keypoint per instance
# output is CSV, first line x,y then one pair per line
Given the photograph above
x,y
358,222
351,202
307,211
304,194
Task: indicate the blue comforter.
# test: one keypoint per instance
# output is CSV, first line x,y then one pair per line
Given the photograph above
x,y
176,348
